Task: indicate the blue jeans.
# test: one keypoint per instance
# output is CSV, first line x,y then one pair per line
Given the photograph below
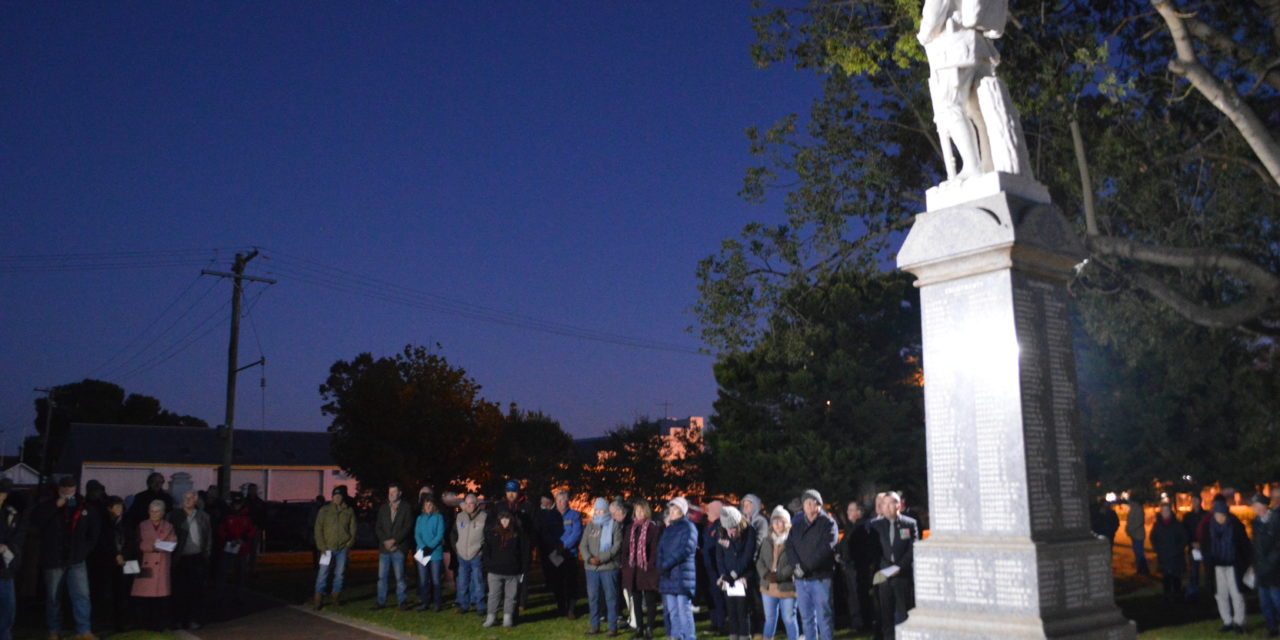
x,y
429,584
338,565
1269,598
1140,558
787,608
8,608
386,563
813,597
76,577
606,582
679,613
471,584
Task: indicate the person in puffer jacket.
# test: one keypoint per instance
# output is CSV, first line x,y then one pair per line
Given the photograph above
x,y
677,570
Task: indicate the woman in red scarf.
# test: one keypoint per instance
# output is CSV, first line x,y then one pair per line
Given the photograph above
x,y
640,566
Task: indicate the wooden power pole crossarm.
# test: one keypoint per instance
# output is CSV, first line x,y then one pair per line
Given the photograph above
x,y
233,350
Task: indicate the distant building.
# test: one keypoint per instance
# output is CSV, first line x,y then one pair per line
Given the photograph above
x,y
286,465
21,474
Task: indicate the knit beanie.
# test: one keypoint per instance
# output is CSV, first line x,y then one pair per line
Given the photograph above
x,y
730,517
780,512
1221,507
811,493
680,503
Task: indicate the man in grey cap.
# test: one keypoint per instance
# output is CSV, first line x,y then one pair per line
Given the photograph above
x,y
812,545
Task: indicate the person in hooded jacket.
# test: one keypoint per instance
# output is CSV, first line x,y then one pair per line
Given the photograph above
x,y
735,557
753,512
677,570
640,566
811,543
601,559
506,558
1229,553
777,586
1169,540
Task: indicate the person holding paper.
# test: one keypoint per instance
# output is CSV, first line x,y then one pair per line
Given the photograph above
x,y
560,531
68,530
236,535
677,570
735,557
335,533
896,535
428,537
191,561
506,556
151,589
1169,539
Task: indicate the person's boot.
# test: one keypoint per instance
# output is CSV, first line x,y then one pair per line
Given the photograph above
x,y
317,601
335,599
489,621
508,620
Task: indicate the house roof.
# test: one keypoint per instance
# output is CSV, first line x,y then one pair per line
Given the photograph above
x,y
121,443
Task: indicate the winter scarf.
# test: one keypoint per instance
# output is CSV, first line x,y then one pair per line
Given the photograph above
x,y
603,521
640,544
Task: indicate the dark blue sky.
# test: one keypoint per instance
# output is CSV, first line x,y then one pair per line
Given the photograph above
x,y
569,162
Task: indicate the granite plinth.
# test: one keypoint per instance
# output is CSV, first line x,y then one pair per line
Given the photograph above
x,y
1010,554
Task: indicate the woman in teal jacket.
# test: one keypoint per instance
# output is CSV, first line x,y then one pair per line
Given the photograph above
x,y
428,536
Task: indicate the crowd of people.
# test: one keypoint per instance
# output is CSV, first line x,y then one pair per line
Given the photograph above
x,y
1214,542
758,572
149,561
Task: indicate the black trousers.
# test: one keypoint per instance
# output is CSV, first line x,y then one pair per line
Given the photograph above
x,y
854,598
151,613
893,599
737,620
755,602
189,579
646,604
563,581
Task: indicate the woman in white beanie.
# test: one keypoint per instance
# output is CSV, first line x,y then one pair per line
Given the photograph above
x,y
677,570
777,586
735,556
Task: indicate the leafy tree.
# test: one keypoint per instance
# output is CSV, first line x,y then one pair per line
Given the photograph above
x,y
653,459
411,418
95,402
532,447
833,401
1179,214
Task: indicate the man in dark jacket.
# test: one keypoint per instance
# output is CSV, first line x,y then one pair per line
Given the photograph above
x,y
895,534
709,540
1266,561
811,546
13,533
1228,551
856,556
393,527
138,509
68,532
560,533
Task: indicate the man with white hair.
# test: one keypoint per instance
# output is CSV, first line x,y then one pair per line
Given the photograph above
x,y
195,540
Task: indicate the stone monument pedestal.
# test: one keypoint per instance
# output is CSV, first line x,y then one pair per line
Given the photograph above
x,y
1010,553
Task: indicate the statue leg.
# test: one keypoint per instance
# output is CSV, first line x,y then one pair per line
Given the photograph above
x,y
953,116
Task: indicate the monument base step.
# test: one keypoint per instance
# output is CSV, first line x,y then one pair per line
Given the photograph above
x,y
925,624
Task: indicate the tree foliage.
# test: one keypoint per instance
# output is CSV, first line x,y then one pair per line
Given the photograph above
x,y
411,418
1185,204
96,402
532,447
833,401
653,459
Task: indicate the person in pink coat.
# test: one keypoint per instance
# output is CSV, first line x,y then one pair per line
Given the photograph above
x,y
151,586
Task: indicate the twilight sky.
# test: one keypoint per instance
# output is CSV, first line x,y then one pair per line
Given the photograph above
x,y
567,163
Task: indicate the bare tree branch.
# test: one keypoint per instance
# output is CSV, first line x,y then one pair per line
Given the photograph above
x,y
1201,259
1220,41
1229,317
1225,98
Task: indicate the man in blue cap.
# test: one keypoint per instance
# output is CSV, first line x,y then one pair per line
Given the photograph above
x,y
518,506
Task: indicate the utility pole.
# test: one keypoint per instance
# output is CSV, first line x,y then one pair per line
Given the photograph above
x,y
44,442
666,409
233,351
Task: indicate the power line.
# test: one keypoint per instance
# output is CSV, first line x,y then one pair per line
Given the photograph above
x,y
333,278
167,329
177,346
146,329
109,260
